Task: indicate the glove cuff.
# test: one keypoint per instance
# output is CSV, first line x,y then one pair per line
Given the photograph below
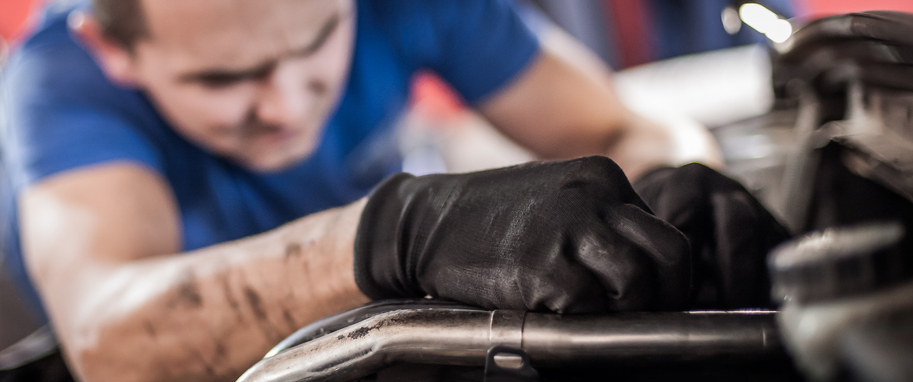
x,y
379,264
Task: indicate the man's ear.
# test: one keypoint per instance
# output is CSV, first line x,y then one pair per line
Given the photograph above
x,y
115,60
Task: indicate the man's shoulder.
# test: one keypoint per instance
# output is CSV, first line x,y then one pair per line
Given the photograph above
x,y
423,30
397,11
51,69
50,63
61,112
442,13
50,33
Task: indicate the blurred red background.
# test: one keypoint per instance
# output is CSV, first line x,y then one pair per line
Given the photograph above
x,y
13,16
829,7
14,13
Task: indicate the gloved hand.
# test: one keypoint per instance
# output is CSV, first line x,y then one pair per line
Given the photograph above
x,y
729,230
567,237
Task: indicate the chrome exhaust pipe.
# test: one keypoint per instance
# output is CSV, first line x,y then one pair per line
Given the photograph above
x,y
444,334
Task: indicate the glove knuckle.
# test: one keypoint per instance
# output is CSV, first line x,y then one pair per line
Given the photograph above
x,y
596,177
599,166
697,169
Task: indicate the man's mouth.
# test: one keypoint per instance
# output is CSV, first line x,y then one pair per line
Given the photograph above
x,y
270,133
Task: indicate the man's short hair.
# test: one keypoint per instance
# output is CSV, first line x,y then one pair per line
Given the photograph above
x,y
121,20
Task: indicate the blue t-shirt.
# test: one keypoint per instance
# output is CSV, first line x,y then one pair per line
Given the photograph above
x,y
62,113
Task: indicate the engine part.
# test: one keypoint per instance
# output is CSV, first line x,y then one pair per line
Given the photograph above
x,y
836,284
850,77
369,341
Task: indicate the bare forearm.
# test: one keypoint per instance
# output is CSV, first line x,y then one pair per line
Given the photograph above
x,y
222,307
565,106
643,144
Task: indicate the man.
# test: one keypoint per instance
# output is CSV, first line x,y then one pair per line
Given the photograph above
x,y
190,177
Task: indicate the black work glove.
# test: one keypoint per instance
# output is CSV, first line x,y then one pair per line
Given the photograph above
x,y
730,232
567,237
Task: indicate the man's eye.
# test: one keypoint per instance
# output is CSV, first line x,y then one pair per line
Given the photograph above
x,y
217,82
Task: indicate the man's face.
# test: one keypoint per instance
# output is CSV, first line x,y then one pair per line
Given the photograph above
x,y
250,80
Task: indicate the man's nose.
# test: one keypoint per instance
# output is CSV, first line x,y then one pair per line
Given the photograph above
x,y
284,97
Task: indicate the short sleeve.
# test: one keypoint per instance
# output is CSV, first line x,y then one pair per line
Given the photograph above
x,y
478,46
63,114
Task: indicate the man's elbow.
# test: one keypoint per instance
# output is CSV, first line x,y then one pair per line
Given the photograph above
x,y
130,349
106,353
